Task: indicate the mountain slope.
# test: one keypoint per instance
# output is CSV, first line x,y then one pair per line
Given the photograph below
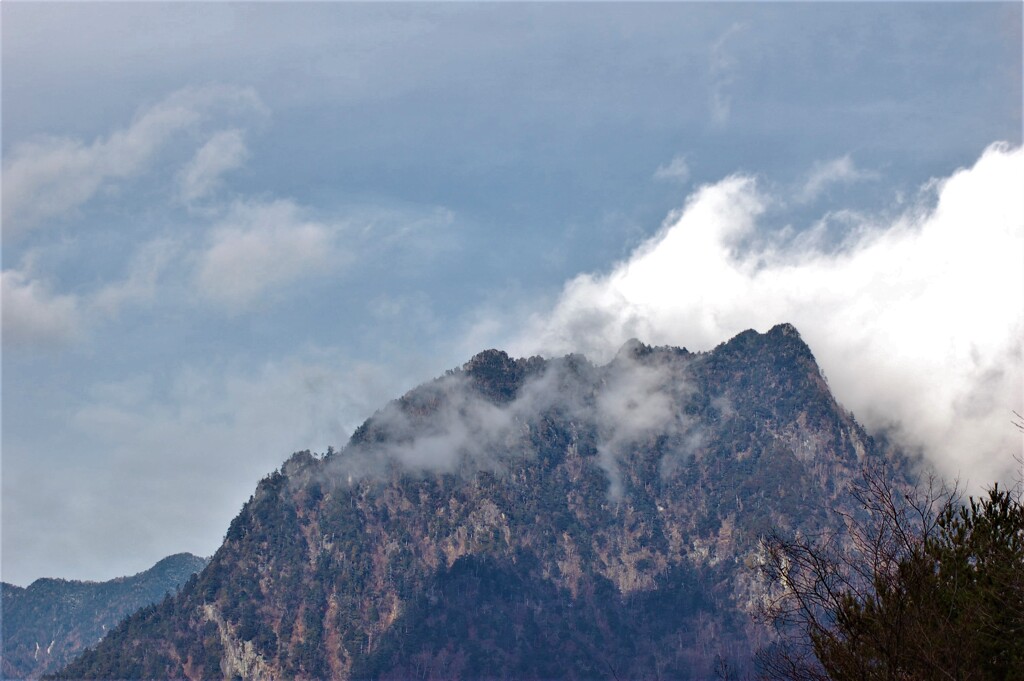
x,y
52,620
520,519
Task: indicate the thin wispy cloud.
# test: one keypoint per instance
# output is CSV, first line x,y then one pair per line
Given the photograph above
x,y
49,177
238,251
224,152
722,67
259,248
38,318
676,170
837,171
141,284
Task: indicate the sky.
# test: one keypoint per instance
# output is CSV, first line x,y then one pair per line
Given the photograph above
x,y
234,231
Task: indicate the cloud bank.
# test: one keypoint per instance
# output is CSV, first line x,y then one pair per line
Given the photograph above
x,y
917,319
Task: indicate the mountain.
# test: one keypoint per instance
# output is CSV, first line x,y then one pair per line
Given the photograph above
x,y
521,518
52,620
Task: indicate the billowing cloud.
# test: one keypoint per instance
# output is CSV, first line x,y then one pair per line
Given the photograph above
x,y
33,316
918,320
677,170
50,176
259,247
823,175
224,151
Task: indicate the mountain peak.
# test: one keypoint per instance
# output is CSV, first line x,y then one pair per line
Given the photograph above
x,y
784,330
780,338
498,376
633,349
488,358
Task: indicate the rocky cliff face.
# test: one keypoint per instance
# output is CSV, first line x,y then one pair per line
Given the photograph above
x,y
520,519
47,624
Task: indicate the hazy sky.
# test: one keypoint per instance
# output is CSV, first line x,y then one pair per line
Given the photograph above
x,y
233,231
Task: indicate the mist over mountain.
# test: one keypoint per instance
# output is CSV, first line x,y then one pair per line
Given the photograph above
x,y
522,518
48,623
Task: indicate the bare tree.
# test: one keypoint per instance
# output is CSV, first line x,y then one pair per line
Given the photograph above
x,y
1018,423
815,577
916,585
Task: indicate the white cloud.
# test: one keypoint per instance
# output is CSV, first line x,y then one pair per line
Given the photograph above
x,y
36,317
259,247
48,177
836,171
675,171
224,151
917,321
33,317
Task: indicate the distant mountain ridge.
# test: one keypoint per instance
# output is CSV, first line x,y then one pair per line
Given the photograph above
x,y
521,518
48,623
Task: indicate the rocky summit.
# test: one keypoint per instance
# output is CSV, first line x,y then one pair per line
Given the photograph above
x,y
521,518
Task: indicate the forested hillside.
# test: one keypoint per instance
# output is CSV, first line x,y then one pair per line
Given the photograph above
x,y
521,518
52,620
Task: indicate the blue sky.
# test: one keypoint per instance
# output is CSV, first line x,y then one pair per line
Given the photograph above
x,y
233,231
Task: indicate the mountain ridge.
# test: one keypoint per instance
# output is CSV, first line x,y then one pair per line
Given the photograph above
x,y
520,518
47,623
